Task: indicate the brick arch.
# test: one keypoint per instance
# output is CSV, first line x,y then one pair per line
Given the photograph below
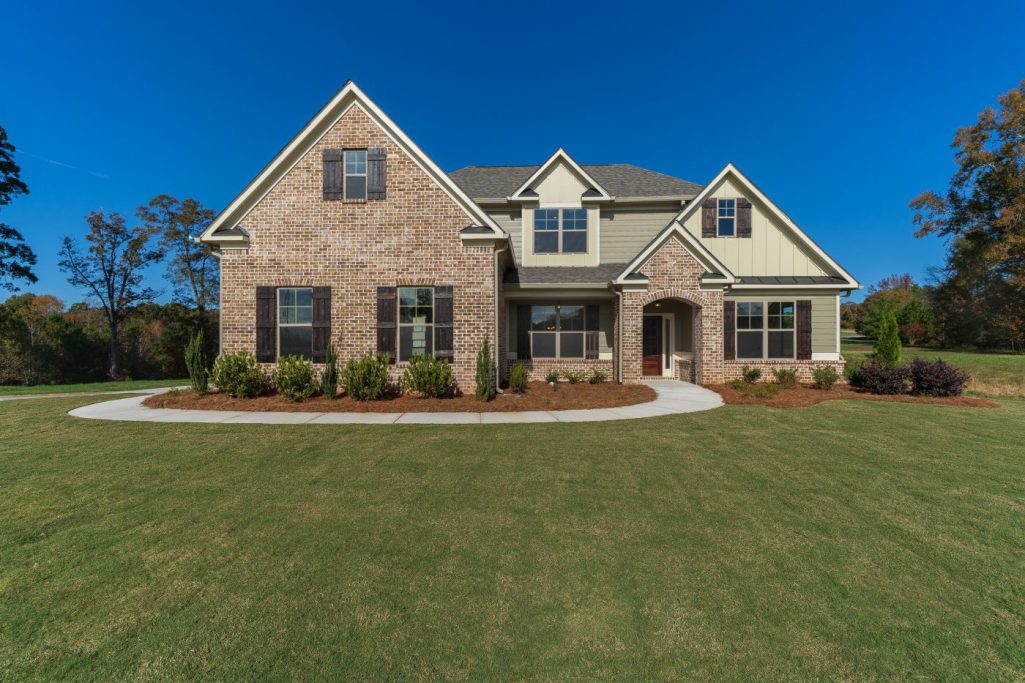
x,y
690,296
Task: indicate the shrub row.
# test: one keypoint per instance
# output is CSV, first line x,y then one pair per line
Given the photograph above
x,y
919,377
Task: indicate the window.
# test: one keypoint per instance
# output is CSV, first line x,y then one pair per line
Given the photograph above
x,y
295,322
727,217
765,330
355,174
560,231
416,322
557,331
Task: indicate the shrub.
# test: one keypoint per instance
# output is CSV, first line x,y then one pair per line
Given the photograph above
x,y
552,377
238,375
329,378
852,372
739,385
883,378
484,380
824,376
750,375
887,348
766,390
936,378
195,362
428,376
785,378
295,378
598,377
518,377
573,376
366,378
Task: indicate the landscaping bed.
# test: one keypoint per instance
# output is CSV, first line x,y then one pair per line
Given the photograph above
x,y
539,396
804,395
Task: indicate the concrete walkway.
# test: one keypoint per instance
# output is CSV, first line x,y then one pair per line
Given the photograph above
x,y
672,397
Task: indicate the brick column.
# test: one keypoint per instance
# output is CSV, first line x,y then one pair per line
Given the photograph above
x,y
708,342
633,331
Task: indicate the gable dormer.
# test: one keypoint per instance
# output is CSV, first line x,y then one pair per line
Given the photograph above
x,y
560,214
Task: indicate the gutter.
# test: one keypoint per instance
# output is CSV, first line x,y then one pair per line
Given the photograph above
x,y
220,314
619,337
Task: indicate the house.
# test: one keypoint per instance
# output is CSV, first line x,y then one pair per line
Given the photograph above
x,y
352,236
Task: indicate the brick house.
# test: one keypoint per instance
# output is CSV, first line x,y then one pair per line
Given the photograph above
x,y
352,236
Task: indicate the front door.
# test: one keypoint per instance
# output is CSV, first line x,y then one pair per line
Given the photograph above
x,y
651,345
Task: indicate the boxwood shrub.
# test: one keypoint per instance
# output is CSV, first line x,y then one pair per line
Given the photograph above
x,y
518,377
428,376
295,378
366,378
238,375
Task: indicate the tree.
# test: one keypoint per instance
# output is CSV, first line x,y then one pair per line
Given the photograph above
x,y
981,294
111,270
485,384
887,348
191,266
16,259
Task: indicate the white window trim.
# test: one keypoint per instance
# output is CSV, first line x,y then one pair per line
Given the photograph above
x,y
765,330
346,175
718,217
399,324
560,230
558,332
277,315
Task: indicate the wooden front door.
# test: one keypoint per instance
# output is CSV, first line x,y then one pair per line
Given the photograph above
x,y
651,345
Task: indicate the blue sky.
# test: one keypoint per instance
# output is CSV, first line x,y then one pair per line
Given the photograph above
x,y
841,112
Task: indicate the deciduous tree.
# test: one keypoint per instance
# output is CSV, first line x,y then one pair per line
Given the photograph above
x,y
16,258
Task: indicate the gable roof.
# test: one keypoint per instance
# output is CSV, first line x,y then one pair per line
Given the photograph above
x,y
594,191
350,95
619,180
676,226
699,251
562,275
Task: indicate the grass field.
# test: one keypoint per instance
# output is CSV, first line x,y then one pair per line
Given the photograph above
x,y
852,540
91,386
993,374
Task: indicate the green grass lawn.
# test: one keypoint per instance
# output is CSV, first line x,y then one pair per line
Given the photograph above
x,y
852,540
90,386
993,374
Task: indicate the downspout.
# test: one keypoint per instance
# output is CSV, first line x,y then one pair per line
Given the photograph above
x,y
619,338
220,314
498,313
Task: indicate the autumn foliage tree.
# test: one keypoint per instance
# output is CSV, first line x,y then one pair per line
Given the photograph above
x,y
16,259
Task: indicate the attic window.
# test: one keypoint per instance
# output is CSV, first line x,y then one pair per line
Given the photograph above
x,y
727,217
355,174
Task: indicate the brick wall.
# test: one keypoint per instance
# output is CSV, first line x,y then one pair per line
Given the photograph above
x,y
412,237
734,368
537,368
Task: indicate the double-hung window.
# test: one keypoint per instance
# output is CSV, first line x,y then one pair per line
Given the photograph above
x,y
295,321
355,174
727,218
416,322
560,231
765,329
557,331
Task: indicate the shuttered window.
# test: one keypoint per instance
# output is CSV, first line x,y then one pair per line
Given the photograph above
x,y
416,322
295,322
727,218
765,329
355,174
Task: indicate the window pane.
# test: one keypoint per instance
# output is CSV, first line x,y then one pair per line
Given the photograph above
x,y
749,315
303,315
726,227
781,344
727,207
749,345
543,345
574,219
424,297
571,318
542,318
546,242
781,315
355,161
571,345
574,242
546,219
297,341
407,296
355,187
303,297
415,340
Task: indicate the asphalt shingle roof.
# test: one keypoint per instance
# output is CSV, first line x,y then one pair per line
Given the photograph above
x,y
620,180
563,275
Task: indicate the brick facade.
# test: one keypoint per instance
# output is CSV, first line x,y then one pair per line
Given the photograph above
x,y
537,368
735,368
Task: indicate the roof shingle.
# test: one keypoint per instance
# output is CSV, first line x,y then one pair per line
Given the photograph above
x,y
620,180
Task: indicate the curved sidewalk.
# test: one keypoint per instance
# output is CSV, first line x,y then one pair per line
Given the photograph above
x,y
672,397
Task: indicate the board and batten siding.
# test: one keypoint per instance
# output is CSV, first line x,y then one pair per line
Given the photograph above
x,y
606,318
823,312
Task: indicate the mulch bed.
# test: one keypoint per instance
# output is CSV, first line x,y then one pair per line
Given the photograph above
x,y
539,396
804,395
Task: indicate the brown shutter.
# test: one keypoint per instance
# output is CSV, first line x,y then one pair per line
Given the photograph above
x,y
804,329
708,211
523,331
321,323
377,163
387,317
266,324
443,314
729,330
743,217
332,174
591,325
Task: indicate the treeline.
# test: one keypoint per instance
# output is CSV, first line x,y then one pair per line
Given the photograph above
x,y
44,342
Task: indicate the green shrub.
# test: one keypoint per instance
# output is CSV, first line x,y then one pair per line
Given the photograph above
x,y
552,377
824,376
518,377
852,371
329,378
739,385
598,377
195,362
750,375
573,376
295,378
483,378
238,375
366,378
428,376
887,348
786,378
766,390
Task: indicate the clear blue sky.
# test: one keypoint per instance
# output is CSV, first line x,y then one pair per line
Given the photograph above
x,y
841,112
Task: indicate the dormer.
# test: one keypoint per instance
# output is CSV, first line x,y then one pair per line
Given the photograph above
x,y
560,213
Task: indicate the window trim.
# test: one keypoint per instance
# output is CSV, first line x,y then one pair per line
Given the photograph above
x,y
399,324
279,324
560,229
346,175
765,329
558,331
719,216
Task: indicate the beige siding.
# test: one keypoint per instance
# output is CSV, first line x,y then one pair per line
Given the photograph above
x,y
625,231
823,313
511,221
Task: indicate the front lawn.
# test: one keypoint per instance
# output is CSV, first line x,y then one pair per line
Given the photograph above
x,y
16,390
850,540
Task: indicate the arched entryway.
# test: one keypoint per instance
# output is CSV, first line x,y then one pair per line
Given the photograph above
x,y
669,331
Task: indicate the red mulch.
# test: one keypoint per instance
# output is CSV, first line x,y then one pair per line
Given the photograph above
x,y
539,396
804,395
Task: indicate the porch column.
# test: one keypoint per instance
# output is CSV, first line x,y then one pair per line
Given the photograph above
x,y
633,323
708,342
